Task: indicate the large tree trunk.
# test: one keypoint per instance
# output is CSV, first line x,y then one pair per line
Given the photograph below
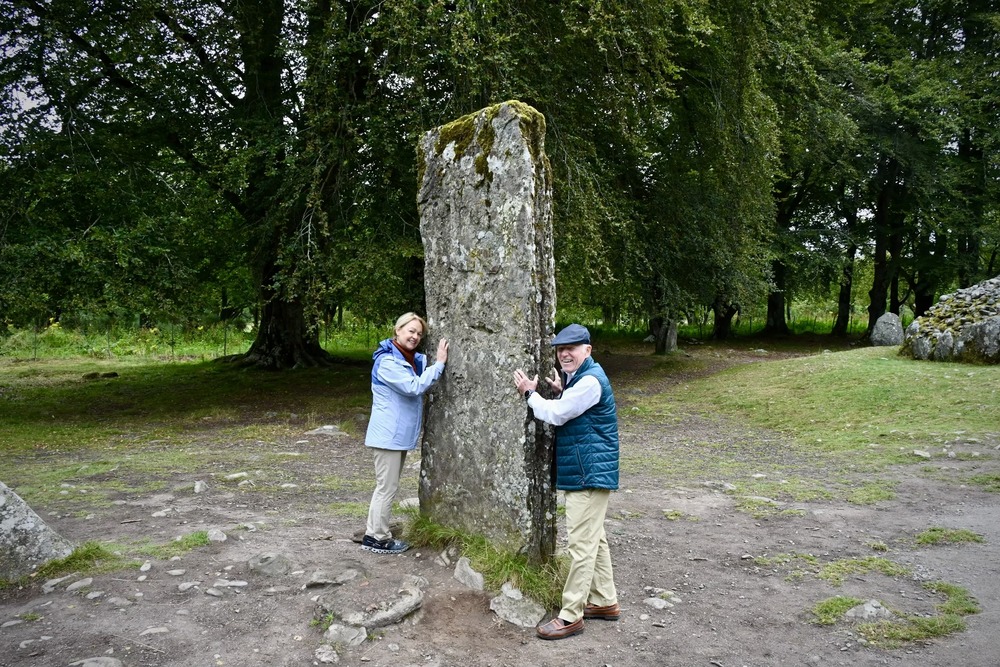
x,y
927,277
724,313
881,222
776,322
895,259
844,303
664,331
843,322
284,340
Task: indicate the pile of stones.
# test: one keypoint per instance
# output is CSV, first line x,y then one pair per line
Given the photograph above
x,y
963,326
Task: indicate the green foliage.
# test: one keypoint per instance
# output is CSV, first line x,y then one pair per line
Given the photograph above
x,y
695,148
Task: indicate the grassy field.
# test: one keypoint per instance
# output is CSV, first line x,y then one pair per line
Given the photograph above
x,y
856,411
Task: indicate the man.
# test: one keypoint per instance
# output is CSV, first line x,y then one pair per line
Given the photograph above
x,y
586,420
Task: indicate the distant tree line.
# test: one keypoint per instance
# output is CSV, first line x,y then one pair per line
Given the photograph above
x,y
190,156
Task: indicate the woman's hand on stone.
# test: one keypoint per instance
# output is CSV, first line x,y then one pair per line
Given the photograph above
x,y
442,353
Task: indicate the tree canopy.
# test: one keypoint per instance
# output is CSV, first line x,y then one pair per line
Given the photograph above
x,y
184,159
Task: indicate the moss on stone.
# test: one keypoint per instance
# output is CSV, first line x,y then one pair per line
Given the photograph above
x,y
469,129
421,165
461,132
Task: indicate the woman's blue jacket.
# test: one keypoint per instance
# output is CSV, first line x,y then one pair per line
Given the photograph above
x,y
397,397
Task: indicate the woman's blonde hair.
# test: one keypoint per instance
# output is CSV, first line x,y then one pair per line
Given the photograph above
x,y
406,318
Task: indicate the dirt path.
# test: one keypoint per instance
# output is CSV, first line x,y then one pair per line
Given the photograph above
x,y
686,536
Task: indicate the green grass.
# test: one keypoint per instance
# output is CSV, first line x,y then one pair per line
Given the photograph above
x,y
870,493
75,443
835,572
167,341
356,510
849,401
988,482
850,413
542,583
177,547
831,610
937,535
760,508
892,633
88,558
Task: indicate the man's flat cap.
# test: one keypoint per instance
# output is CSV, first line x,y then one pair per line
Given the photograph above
x,y
574,334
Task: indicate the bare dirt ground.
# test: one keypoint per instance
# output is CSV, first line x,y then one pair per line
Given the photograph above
x,y
688,538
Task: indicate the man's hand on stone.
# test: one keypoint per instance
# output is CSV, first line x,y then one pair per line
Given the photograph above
x,y
555,381
524,383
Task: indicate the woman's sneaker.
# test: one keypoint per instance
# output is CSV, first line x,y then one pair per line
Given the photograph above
x,y
389,546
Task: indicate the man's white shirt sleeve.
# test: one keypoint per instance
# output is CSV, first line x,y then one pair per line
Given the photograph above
x,y
576,400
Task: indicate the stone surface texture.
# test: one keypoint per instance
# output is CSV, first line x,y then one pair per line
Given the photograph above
x,y
485,203
888,331
25,540
963,326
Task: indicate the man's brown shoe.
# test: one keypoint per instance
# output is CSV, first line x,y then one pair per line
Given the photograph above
x,y
559,629
609,613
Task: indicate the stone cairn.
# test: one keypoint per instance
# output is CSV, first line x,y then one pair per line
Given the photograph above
x,y
963,326
485,203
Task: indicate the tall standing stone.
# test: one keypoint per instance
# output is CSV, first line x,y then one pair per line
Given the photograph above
x,y
25,540
485,205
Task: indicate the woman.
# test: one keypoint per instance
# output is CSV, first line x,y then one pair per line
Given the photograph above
x,y
400,377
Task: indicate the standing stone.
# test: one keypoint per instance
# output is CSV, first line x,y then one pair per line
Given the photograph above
x,y
485,205
25,540
888,330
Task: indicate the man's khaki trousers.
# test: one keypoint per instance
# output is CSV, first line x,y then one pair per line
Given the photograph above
x,y
590,575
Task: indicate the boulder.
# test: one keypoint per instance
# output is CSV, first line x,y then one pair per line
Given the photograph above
x,y
888,331
26,542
